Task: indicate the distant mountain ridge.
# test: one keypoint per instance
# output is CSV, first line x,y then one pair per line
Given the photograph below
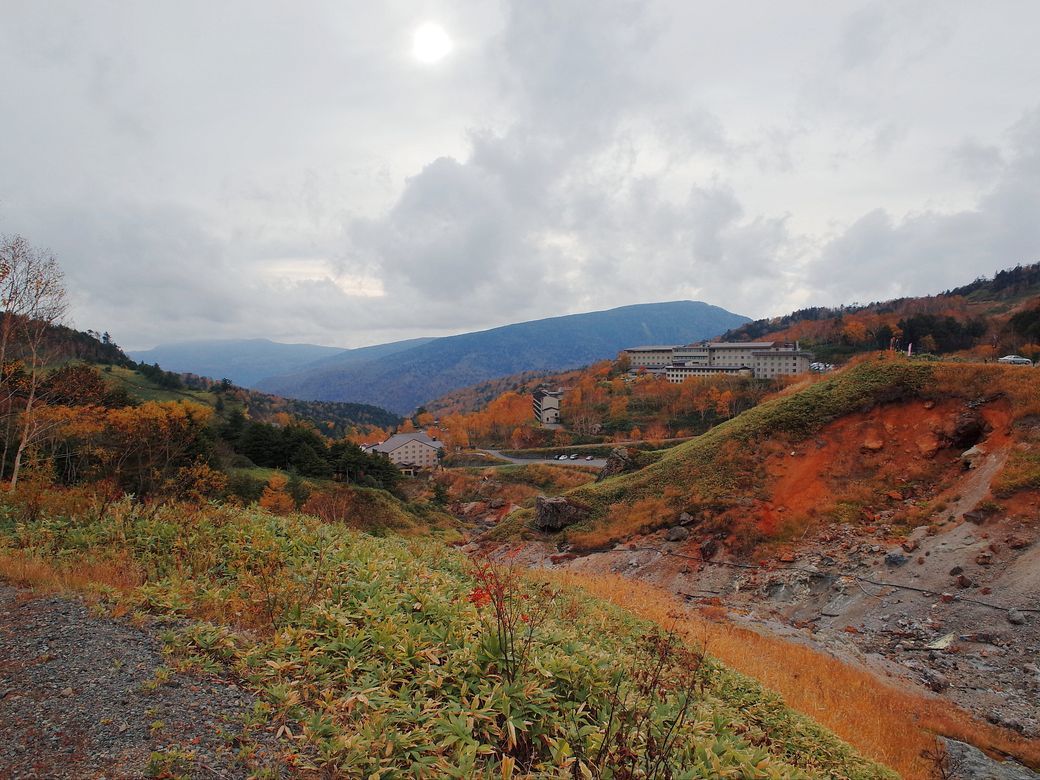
x,y
403,380
142,382
246,361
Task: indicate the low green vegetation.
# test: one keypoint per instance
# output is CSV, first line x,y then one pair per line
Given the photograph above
x,y
403,658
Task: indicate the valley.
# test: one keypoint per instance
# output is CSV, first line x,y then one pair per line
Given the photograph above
x,y
931,585
509,390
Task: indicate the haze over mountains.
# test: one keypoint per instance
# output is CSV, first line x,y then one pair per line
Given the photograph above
x,y
247,361
401,376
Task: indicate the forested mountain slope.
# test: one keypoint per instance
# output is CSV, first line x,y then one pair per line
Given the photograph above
x,y
407,379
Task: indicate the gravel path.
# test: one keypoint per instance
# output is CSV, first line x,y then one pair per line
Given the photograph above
x,y
75,700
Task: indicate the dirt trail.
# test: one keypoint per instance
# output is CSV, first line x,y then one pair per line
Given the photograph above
x,y
78,700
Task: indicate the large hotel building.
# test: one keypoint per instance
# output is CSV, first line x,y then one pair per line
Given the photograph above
x,y
761,359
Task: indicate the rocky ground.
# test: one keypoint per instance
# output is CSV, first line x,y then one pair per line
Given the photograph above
x,y
953,608
89,697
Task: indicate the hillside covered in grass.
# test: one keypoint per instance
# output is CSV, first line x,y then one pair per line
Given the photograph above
x,y
987,318
728,481
393,658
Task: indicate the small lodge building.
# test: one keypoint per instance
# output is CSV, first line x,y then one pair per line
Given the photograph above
x,y
410,452
547,405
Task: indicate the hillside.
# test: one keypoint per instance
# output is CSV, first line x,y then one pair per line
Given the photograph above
x,y
407,379
331,418
887,509
383,657
987,318
151,382
723,472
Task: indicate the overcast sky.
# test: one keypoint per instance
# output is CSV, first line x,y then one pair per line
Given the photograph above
x,y
298,171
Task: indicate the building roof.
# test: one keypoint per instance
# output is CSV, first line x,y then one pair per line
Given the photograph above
x,y
400,439
742,344
653,348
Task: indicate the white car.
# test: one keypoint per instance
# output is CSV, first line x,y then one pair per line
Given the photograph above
x,y
1015,360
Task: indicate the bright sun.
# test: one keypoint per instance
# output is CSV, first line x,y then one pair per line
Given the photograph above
x,y
430,43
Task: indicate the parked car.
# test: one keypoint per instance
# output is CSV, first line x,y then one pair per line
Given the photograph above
x,y
1015,360
561,457
588,457
574,456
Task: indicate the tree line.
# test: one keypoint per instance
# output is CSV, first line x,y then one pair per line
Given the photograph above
x,y
62,423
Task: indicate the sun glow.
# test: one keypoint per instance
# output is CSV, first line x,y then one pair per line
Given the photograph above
x,y
430,43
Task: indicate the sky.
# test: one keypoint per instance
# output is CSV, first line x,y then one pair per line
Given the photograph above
x,y
349,173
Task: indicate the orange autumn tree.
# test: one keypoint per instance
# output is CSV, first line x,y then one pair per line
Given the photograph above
x,y
275,499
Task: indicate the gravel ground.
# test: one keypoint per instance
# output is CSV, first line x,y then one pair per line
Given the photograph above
x,y
75,700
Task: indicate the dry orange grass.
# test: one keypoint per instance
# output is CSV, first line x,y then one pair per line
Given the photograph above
x,y
624,521
47,576
887,724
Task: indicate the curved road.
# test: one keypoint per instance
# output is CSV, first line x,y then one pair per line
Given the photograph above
x,y
580,461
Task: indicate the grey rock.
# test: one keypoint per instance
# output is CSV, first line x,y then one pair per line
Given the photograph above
x,y
621,460
708,549
677,533
964,762
557,513
1015,618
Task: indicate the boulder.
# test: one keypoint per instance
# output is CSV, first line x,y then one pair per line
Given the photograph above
x,y
968,762
708,548
472,508
561,558
970,457
1015,617
966,430
557,513
928,445
873,443
895,559
677,533
620,461
936,680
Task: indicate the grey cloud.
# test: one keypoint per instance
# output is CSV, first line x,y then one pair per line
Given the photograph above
x,y
879,255
250,170
866,34
452,230
976,161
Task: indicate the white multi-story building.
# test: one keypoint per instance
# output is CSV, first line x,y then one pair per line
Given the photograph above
x,y
409,451
650,357
547,405
761,359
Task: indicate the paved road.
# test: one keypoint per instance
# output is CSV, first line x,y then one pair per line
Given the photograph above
x,y
580,461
